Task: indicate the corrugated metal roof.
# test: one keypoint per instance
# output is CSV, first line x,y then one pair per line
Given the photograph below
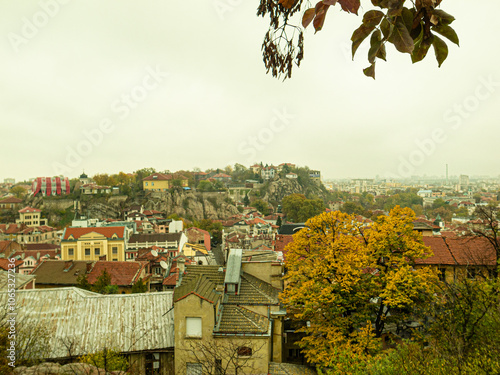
x,y
127,323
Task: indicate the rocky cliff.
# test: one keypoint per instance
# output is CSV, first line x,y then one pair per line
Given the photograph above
x,y
277,189
191,205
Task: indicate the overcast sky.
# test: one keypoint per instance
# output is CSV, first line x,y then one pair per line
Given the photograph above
x,y
108,86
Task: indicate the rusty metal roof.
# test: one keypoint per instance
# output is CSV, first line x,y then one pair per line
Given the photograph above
x,y
126,323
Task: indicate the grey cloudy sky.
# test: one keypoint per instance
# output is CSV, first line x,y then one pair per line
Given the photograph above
x,y
110,86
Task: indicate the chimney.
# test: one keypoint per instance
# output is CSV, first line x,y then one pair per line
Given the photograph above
x,y
89,267
102,257
181,264
38,256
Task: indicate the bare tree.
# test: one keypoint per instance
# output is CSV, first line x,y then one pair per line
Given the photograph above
x,y
223,356
489,228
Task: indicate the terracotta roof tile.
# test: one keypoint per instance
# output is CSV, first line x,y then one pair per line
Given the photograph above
x,y
4,263
11,200
122,273
108,232
28,210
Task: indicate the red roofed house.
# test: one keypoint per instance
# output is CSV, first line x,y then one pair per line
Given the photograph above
x,y
10,203
460,257
34,254
222,177
198,236
6,264
123,274
93,243
162,182
59,273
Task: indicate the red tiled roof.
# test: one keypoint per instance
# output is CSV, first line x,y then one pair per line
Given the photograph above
x,y
4,245
441,253
472,251
11,228
122,273
42,246
4,263
36,253
460,251
11,200
171,279
105,231
28,210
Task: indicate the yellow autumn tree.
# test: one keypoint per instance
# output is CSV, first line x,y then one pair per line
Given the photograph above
x,y
349,281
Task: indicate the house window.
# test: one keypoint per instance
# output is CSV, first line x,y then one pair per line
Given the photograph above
x,y
146,184
97,251
153,364
114,250
193,369
193,327
87,252
244,351
71,252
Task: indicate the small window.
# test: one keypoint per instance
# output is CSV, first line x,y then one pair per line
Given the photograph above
x,y
153,364
71,252
97,251
87,252
193,327
146,184
114,250
244,351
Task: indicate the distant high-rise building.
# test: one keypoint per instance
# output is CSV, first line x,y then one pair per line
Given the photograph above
x,y
463,182
9,181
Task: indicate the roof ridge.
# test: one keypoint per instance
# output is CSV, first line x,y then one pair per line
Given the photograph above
x,y
244,314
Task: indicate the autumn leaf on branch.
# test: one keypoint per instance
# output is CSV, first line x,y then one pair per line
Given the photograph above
x,y
410,29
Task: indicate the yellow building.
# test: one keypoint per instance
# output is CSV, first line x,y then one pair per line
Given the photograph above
x,y
93,243
30,216
163,182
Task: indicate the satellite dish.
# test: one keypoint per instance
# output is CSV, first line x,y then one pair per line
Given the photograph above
x,y
163,265
154,253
